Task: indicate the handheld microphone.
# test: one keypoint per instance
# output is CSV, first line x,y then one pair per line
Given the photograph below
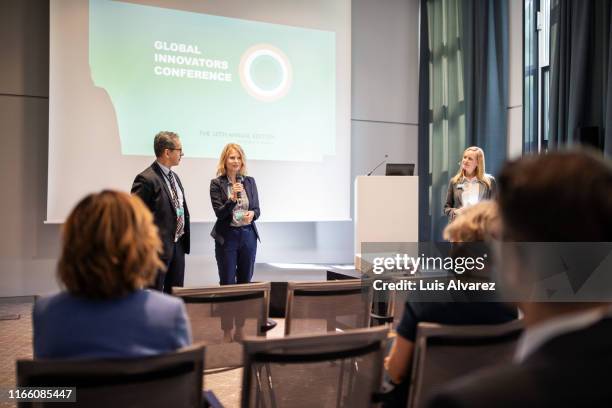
x,y
378,165
239,179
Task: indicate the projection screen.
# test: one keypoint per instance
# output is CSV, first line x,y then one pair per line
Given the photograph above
x,y
272,76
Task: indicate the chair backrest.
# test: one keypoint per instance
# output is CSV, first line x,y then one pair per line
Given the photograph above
x,y
320,307
446,352
328,370
221,316
396,299
168,380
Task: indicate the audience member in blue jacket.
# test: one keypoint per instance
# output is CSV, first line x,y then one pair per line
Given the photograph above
x,y
109,254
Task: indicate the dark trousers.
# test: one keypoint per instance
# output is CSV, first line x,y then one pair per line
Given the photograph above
x,y
398,396
236,257
175,269
232,315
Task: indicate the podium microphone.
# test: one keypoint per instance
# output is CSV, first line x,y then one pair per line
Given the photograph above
x,y
378,165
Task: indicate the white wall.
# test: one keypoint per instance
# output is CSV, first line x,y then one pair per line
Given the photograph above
x,y
384,121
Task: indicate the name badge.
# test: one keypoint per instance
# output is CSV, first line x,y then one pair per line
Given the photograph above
x,y
180,212
460,186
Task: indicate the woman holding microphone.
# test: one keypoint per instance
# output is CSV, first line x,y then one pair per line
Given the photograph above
x,y
470,185
236,203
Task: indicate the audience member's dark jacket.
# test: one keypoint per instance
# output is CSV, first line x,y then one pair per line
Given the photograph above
x,y
572,370
474,309
452,313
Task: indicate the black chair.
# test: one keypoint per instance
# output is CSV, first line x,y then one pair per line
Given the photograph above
x,y
446,352
320,307
394,301
168,380
328,370
221,316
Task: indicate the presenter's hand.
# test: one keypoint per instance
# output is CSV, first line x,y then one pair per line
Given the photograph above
x,y
248,217
236,188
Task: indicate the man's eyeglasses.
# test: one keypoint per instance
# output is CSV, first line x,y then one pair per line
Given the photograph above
x,y
180,150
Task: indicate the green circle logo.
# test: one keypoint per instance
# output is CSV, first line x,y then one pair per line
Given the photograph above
x,y
265,72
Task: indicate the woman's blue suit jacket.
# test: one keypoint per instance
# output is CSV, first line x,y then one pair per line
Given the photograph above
x,y
223,206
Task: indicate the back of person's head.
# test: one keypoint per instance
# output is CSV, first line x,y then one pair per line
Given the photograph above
x,y
470,233
563,196
110,246
476,223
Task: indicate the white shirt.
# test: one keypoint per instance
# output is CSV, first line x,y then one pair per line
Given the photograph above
x,y
471,192
534,337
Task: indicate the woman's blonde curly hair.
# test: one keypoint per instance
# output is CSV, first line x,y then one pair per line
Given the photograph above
x,y
476,223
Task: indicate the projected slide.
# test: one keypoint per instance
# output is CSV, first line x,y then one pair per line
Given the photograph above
x,y
273,76
269,87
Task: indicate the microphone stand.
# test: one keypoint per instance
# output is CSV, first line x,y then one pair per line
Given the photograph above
x,y
377,166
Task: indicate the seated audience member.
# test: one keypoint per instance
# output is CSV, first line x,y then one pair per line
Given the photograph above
x,y
564,355
477,223
109,254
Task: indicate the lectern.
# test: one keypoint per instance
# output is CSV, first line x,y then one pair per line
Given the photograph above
x,y
386,210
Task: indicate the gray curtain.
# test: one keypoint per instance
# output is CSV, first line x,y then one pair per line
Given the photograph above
x,y
465,82
425,219
485,76
581,73
446,136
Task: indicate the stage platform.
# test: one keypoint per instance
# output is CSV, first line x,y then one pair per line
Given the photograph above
x,y
284,272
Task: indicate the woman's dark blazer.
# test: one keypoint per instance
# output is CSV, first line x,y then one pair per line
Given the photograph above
x,y
223,206
454,200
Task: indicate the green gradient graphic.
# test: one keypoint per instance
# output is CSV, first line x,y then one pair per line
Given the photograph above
x,y
156,65
266,73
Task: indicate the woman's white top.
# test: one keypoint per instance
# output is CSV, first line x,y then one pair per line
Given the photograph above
x,y
471,192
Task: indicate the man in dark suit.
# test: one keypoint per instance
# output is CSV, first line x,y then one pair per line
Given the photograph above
x,y
564,355
161,190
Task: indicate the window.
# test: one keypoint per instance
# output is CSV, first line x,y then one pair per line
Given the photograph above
x,y
536,75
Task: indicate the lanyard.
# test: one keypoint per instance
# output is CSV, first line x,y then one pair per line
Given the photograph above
x,y
175,196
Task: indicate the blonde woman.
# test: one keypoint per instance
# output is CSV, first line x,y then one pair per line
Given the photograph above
x,y
236,203
110,250
470,185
